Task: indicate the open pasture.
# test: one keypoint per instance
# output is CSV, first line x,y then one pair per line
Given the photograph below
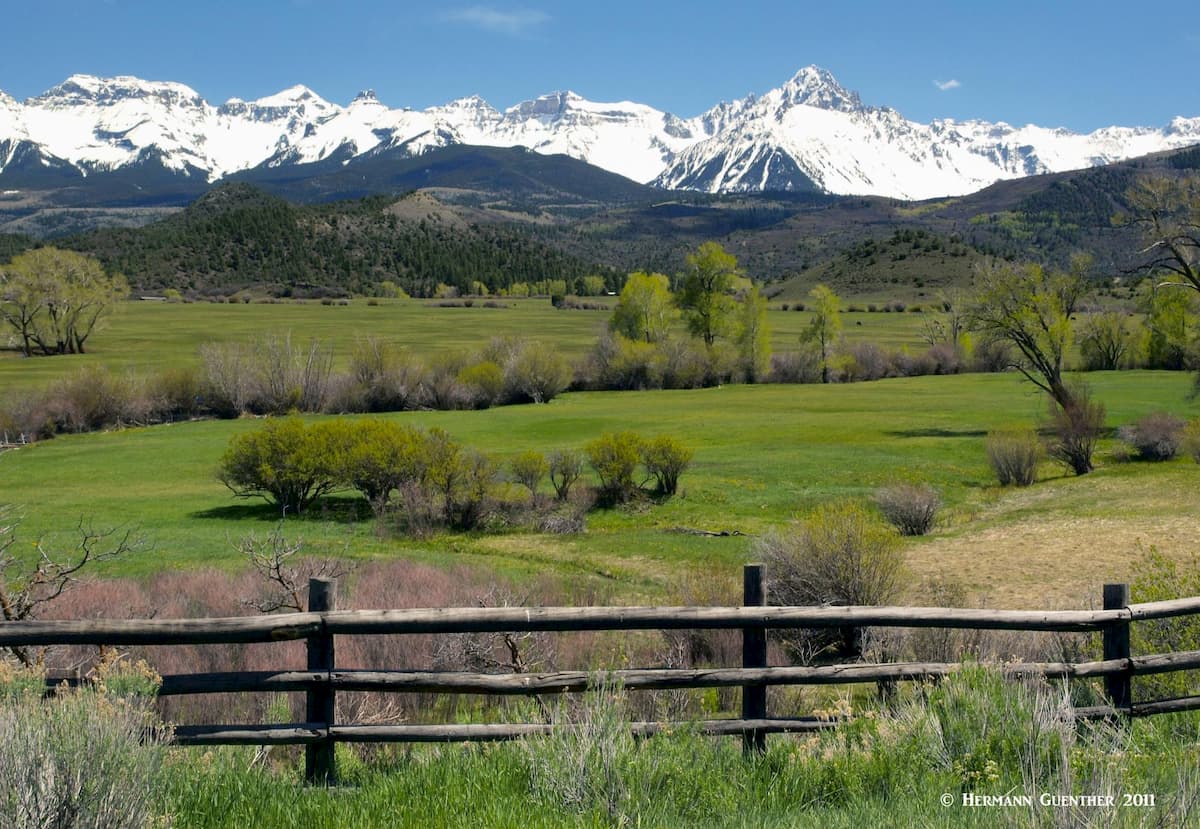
x,y
147,336
763,454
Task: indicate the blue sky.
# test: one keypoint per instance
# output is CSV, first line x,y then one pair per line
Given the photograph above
x,y
1080,65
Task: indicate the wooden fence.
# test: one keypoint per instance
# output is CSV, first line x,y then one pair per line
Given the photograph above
x,y
322,679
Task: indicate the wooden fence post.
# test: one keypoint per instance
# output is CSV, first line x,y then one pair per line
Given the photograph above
x,y
319,764
754,655
1116,646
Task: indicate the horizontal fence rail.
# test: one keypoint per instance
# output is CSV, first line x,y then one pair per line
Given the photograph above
x,y
322,679
290,626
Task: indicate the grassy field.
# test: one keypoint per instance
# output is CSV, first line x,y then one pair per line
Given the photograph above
x,y
147,336
763,455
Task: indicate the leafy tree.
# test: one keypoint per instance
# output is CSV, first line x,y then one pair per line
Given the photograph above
x,y
1030,308
826,324
592,285
645,310
54,299
753,335
706,289
1171,317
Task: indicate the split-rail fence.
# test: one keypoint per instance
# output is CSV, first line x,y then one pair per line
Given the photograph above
x,y
322,679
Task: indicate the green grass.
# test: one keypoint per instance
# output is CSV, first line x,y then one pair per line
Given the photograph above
x,y
148,336
763,454
975,733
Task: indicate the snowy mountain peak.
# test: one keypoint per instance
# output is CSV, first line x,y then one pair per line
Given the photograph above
x,y
816,87
810,132
89,89
293,95
547,106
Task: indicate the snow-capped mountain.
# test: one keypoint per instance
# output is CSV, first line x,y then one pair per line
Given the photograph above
x,y
810,133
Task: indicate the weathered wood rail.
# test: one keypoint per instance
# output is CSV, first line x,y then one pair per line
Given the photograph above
x,y
322,679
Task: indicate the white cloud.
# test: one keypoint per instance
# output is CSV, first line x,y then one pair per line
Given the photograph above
x,y
513,22
946,86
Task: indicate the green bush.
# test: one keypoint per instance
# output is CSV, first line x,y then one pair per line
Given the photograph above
x,y
285,462
615,458
1014,455
381,456
1189,439
665,458
565,466
528,469
1159,578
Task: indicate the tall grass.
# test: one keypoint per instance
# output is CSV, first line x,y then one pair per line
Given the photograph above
x,y
889,764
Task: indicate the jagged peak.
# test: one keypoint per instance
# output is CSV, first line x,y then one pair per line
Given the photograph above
x,y
817,87
366,97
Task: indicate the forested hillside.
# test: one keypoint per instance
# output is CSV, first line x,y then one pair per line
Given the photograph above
x,y
238,237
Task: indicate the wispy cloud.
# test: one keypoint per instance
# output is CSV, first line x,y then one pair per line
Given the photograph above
x,y
514,22
946,86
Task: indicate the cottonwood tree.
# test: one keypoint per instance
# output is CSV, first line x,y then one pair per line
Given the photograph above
x,y
1167,212
1030,308
645,309
826,324
54,299
752,335
706,292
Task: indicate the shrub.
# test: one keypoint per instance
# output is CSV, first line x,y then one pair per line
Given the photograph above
x,y
802,366
379,456
178,392
665,458
484,382
615,457
1014,455
911,508
564,466
1160,578
285,463
94,398
1155,437
538,373
841,555
388,379
1075,429
86,758
1189,439
528,469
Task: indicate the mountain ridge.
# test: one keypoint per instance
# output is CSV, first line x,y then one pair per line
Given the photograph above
x,y
808,134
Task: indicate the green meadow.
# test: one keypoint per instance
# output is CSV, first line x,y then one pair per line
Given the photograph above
x,y
763,456
146,336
